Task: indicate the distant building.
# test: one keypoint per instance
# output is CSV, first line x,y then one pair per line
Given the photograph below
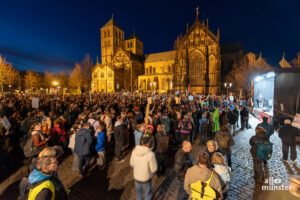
x,y
195,62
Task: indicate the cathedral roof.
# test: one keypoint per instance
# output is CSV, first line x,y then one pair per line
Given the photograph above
x,y
132,36
283,63
111,22
162,56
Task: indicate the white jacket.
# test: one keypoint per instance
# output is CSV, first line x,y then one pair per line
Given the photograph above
x,y
143,162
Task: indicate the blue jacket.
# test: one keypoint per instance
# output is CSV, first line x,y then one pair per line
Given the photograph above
x,y
137,136
101,142
83,142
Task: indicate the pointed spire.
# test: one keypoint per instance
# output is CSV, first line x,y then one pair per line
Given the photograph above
x,y
187,27
197,13
218,34
112,16
207,22
97,60
283,63
260,55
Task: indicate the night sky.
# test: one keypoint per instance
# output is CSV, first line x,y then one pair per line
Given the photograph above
x,y
52,35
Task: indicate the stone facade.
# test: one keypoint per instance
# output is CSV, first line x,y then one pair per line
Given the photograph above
x,y
121,60
195,62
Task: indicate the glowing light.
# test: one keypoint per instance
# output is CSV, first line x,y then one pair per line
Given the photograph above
x,y
270,74
55,83
259,78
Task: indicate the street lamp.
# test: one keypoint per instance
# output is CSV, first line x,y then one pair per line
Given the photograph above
x,y
55,83
227,86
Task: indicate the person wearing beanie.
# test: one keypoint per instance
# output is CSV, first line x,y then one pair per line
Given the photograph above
x,y
287,134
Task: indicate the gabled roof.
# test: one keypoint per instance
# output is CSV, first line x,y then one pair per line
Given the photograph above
x,y
284,64
261,62
111,22
162,56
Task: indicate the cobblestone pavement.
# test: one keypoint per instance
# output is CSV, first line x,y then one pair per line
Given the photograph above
x,y
116,182
242,185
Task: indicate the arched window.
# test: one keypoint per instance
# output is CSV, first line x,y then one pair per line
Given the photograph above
x,y
150,70
154,70
102,75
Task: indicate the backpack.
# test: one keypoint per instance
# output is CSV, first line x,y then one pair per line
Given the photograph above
x,y
264,150
29,149
222,140
202,190
24,188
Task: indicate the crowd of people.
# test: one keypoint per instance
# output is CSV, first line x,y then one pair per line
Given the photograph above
x,y
88,124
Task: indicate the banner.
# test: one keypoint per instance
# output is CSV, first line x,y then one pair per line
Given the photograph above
x,y
35,102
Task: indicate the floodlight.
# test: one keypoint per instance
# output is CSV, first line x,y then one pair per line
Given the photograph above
x,y
259,78
270,74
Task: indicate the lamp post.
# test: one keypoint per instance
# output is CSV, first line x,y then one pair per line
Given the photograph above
x,y
56,83
9,87
227,86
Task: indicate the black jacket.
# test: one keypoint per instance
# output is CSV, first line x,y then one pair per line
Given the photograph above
x,y
288,134
119,133
162,141
182,163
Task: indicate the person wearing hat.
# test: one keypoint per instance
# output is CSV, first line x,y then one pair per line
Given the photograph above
x,y
287,134
144,166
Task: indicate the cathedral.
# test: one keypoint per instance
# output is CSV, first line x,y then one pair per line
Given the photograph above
x,y
194,64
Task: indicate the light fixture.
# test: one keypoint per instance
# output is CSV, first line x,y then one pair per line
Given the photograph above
x,y
270,74
259,78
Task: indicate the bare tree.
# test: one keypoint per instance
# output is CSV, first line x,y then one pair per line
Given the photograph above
x,y
8,75
245,70
33,80
76,77
86,68
48,79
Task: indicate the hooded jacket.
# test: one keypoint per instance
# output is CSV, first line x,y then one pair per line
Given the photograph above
x,y
83,142
259,136
143,162
197,173
288,134
36,178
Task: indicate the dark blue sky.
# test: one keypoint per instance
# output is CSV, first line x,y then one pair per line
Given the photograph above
x,y
52,35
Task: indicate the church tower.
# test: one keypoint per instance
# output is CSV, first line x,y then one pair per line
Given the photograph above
x,y
112,36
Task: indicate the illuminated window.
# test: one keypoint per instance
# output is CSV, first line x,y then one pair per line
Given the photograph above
x,y
150,70
154,70
109,74
95,75
146,70
102,75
